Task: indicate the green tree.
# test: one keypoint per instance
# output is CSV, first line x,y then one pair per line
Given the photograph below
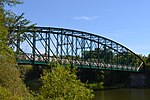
x,y
4,94
10,80
61,83
11,21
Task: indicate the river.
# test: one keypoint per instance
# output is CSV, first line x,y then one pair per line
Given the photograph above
x,y
123,94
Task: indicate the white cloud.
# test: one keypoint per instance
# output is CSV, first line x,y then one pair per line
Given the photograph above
x,y
86,18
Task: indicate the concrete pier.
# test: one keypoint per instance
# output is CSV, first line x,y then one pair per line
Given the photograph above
x,y
137,80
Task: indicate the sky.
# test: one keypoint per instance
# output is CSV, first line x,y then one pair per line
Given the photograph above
x,y
124,21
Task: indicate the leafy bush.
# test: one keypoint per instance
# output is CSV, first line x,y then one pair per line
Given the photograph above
x,y
62,83
4,94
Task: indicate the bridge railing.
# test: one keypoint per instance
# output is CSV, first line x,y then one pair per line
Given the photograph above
x,y
78,63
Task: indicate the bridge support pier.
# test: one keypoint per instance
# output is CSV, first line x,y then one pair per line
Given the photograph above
x,y
137,80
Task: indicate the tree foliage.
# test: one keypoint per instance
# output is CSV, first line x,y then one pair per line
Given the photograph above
x,y
10,2
13,22
61,83
10,81
4,94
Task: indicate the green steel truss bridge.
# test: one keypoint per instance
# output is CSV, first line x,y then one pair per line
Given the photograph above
x,y
42,45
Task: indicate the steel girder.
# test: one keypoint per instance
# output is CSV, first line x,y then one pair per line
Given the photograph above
x,y
76,48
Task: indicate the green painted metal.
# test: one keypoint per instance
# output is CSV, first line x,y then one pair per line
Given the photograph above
x,y
82,49
34,46
98,52
77,66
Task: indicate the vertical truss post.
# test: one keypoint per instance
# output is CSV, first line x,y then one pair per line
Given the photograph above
x,y
34,46
98,53
72,49
57,45
117,57
46,51
111,55
18,43
105,54
61,44
84,50
82,54
90,51
76,48
127,55
49,46
67,46
126,62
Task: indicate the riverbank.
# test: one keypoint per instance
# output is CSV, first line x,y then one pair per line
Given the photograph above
x,y
95,86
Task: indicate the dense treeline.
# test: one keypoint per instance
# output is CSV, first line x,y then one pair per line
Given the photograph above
x,y
11,86
111,57
146,60
106,55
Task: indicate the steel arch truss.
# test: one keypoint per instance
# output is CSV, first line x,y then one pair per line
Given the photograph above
x,y
43,45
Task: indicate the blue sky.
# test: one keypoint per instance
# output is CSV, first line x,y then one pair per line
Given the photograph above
x,y
124,21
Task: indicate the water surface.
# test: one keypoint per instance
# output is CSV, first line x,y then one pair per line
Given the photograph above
x,y
123,94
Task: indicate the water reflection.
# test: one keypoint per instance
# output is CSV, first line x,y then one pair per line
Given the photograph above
x,y
123,94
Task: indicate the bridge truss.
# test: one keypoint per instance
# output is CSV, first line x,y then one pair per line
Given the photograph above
x,y
42,45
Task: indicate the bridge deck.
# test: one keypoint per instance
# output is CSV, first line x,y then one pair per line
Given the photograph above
x,y
81,64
